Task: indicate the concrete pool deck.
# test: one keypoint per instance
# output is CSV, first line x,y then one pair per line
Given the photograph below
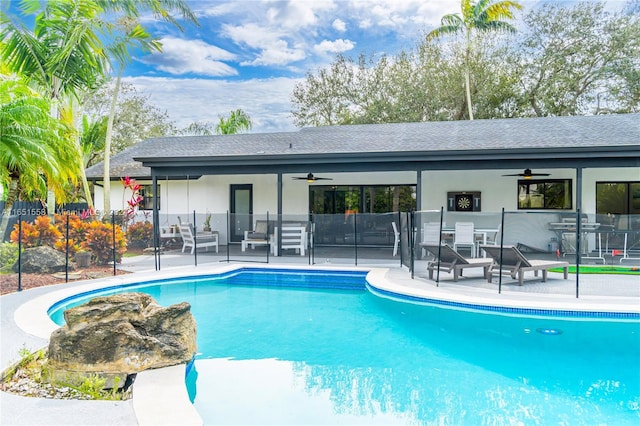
x,y
26,325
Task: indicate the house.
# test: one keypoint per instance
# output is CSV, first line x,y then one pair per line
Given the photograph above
x,y
480,166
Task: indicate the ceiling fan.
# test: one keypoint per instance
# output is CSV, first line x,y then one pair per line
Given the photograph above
x,y
311,178
527,174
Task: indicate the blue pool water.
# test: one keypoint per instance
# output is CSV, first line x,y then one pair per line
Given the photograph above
x,y
286,348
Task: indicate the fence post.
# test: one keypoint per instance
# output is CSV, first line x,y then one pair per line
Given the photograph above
x,y
113,234
501,250
355,236
66,258
19,252
578,249
195,240
411,218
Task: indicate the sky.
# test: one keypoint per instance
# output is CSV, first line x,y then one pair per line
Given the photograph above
x,y
249,54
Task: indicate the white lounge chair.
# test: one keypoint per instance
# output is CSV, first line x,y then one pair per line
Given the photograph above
x,y
451,261
515,264
206,240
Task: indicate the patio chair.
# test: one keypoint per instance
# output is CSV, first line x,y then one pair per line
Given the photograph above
x,y
205,239
515,264
430,235
293,237
396,238
451,260
465,237
258,237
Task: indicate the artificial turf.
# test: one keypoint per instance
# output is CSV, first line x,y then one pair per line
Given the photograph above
x,y
602,269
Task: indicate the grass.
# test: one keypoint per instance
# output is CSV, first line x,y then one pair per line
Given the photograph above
x,y
602,269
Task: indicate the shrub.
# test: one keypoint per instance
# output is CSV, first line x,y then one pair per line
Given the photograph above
x,y
77,230
40,232
8,256
99,240
140,234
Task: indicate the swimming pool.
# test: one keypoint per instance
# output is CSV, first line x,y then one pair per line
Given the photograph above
x,y
283,347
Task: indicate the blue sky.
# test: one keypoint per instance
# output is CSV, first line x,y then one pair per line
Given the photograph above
x,y
250,54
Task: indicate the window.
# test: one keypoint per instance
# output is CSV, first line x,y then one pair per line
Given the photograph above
x,y
147,197
618,200
361,199
552,194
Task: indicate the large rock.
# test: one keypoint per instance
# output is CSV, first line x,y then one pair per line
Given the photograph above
x,y
123,334
42,260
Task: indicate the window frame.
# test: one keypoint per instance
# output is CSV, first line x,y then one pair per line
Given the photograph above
x,y
522,205
147,200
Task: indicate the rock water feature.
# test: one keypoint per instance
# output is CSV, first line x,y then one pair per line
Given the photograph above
x,y
120,335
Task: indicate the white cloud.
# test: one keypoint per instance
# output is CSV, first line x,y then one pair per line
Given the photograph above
x,y
339,25
336,46
181,56
271,46
267,101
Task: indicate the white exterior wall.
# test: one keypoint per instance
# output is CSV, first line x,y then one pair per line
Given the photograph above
x,y
501,191
211,193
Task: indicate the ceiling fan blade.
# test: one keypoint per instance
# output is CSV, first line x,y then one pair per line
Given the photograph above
x,y
527,174
311,178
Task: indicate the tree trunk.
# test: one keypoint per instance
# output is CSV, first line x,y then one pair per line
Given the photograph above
x,y
12,196
467,79
106,176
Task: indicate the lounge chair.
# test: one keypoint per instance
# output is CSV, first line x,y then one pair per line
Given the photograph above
x,y
206,240
516,264
451,260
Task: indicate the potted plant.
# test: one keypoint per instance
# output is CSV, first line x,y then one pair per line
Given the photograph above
x,y
207,223
83,259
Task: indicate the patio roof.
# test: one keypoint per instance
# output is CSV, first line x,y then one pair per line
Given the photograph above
x,y
549,142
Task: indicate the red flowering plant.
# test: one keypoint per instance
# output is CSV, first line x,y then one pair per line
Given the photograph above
x,y
135,200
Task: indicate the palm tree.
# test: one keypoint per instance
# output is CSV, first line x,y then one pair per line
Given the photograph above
x,y
131,35
483,16
36,150
63,55
237,122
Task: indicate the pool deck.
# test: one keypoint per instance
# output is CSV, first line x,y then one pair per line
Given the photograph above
x,y
158,393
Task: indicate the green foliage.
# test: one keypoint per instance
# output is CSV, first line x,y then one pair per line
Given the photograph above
x,y
140,234
136,119
30,364
574,59
34,366
8,256
237,122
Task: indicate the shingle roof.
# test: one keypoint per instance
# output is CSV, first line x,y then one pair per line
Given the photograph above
x,y
479,136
